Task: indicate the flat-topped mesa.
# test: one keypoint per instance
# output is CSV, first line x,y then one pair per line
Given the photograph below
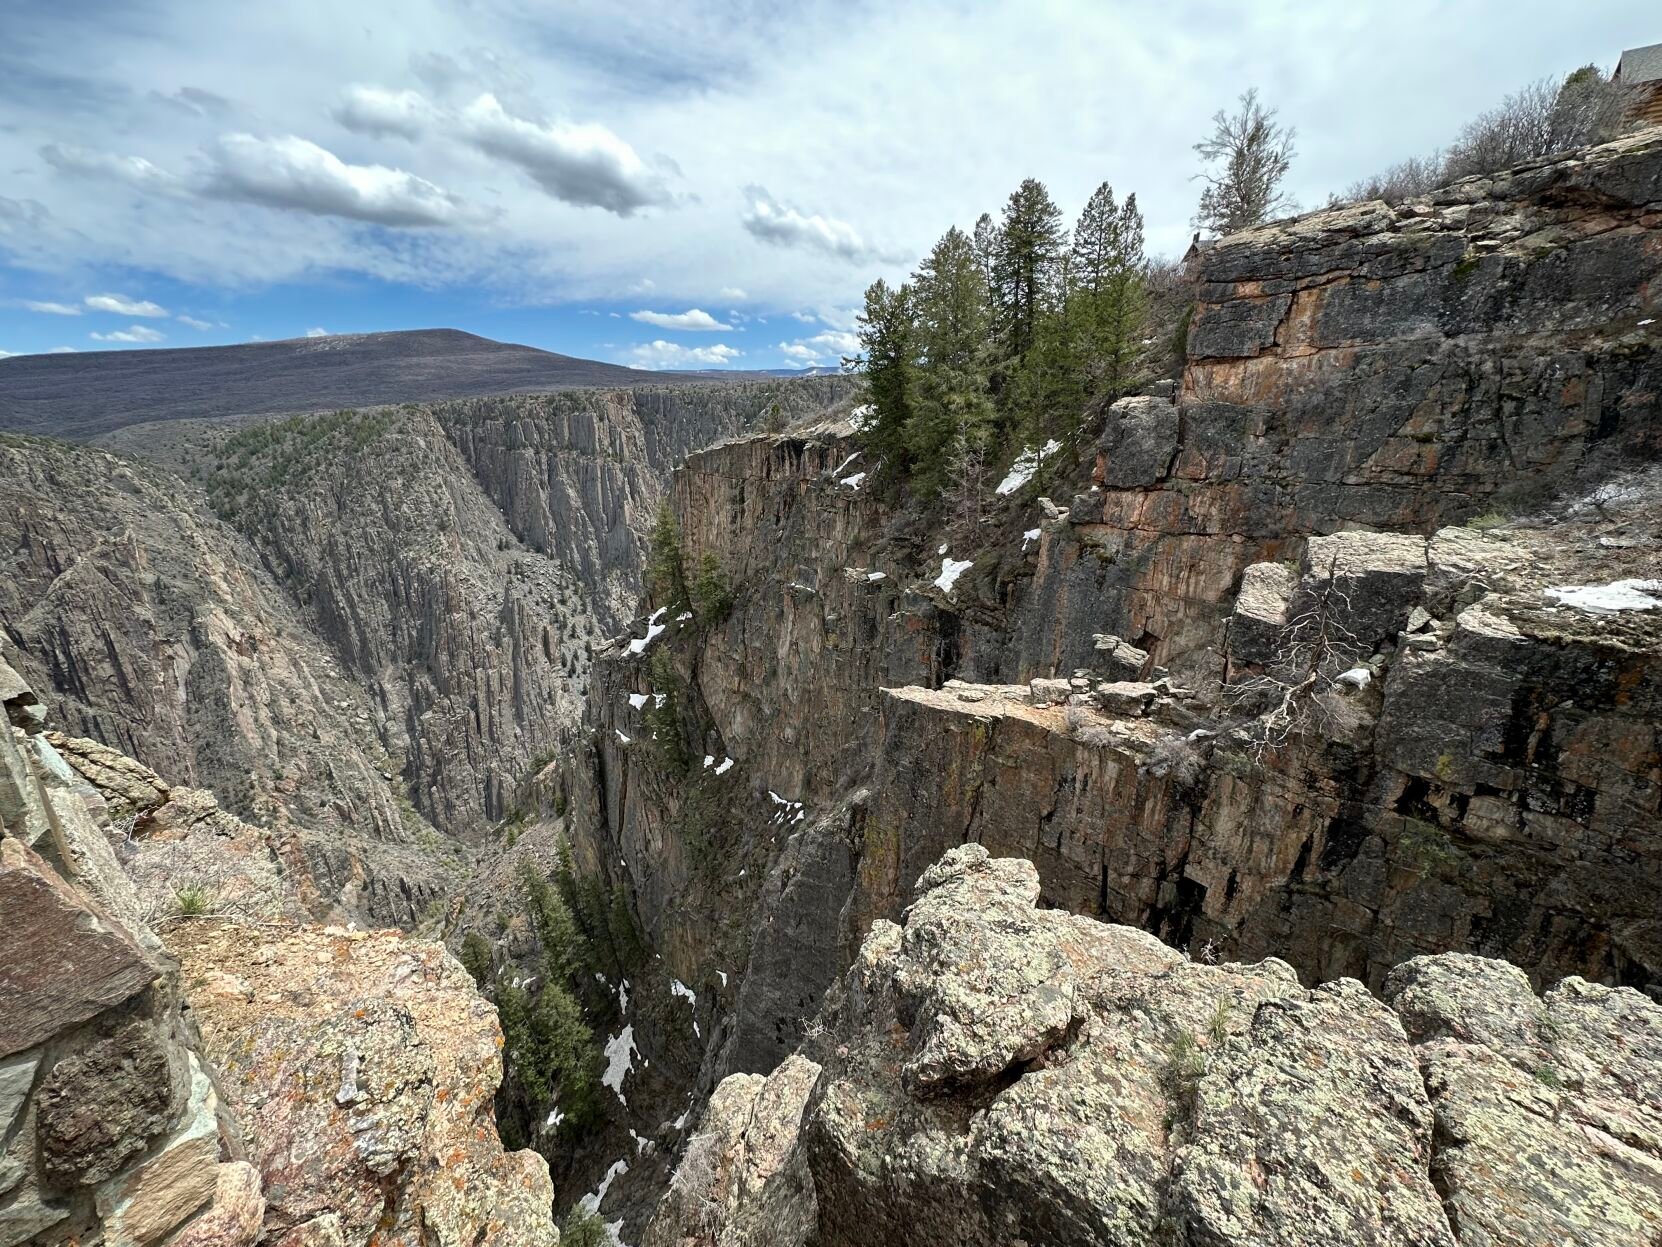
x,y
992,1072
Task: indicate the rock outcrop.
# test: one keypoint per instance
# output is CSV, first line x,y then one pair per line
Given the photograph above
x,y
145,1103
992,1072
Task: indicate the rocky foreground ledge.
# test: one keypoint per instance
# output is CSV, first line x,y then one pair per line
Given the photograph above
x,y
994,1073
182,1065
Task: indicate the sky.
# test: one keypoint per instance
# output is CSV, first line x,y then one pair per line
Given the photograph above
x,y
664,184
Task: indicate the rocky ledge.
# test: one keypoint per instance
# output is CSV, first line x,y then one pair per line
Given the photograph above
x,y
289,1084
992,1073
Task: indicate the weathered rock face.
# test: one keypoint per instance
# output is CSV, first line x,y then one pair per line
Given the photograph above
x,y
1485,781
994,1073
121,1124
1391,368
365,1065
109,1123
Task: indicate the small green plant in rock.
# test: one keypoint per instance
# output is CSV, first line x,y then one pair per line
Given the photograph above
x,y
1487,521
1218,1026
193,901
1185,1067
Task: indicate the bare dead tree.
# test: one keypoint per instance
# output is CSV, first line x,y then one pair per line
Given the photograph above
x,y
1316,649
1249,153
966,474
697,1181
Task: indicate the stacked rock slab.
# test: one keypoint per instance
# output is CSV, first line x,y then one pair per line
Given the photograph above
x,y
991,1073
120,1123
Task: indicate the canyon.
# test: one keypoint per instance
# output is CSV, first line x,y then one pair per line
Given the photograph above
x,y
1243,829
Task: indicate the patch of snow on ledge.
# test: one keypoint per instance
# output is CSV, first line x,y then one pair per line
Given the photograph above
x,y
726,765
591,1201
1027,463
653,628
1619,595
620,1060
853,482
951,569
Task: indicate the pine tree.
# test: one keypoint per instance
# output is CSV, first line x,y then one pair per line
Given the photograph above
x,y
887,336
1031,243
950,305
1109,300
986,250
664,579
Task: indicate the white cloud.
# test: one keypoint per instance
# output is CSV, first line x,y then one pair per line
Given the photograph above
x,y
660,354
63,350
7,354
823,348
692,320
193,322
53,309
377,111
733,292
86,162
586,165
135,333
295,173
782,226
121,305
316,332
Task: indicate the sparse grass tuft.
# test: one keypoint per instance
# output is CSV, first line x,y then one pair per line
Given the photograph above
x,y
193,901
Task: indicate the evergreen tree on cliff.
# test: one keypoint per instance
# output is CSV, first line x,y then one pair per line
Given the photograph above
x,y
887,347
952,317
1107,274
1248,154
1026,265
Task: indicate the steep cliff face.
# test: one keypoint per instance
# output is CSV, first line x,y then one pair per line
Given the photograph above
x,y
993,1072
1467,758
369,628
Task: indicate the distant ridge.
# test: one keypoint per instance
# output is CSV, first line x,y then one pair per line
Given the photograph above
x,y
79,396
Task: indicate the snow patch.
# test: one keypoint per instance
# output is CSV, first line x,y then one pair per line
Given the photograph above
x,y
861,416
838,470
709,758
1356,677
620,1061
951,569
591,1201
875,576
1032,534
1619,595
1026,464
623,996
726,765
678,988
653,628
853,482
637,700
722,974
620,735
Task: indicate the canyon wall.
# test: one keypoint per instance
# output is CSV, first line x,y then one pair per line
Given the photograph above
x,y
1403,470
